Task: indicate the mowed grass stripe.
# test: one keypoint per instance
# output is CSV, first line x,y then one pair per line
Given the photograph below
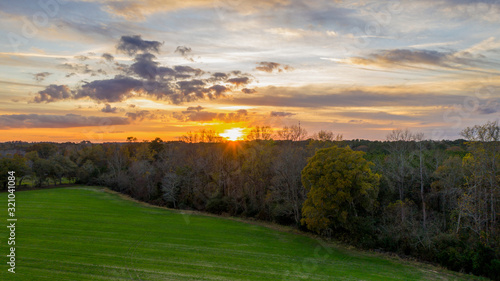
x,y
144,262
85,233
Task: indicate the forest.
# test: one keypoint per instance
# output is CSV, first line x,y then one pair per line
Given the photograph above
x,y
435,201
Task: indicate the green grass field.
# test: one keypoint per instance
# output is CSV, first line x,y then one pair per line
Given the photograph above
x,y
86,233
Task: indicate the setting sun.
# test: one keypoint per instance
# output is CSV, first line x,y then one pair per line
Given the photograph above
x,y
233,134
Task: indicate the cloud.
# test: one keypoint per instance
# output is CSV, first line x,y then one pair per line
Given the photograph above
x,y
110,90
81,69
81,58
185,52
134,44
140,115
409,58
197,108
403,56
380,115
138,10
197,115
489,108
57,121
488,45
41,76
108,57
108,109
219,76
312,96
281,114
53,93
144,66
239,81
192,87
148,78
482,10
289,33
217,91
188,69
269,67
123,87
248,91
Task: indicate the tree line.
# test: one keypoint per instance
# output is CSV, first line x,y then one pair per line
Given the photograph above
x,y
434,200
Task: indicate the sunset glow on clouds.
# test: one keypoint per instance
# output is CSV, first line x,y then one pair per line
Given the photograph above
x,y
106,70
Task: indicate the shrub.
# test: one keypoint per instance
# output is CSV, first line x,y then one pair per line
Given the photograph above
x,y
217,205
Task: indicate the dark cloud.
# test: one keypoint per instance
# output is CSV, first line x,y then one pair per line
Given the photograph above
x,y
317,97
218,76
281,114
188,69
123,87
167,71
191,85
405,57
108,109
399,56
53,93
185,52
134,44
57,121
110,90
217,91
239,81
140,115
108,57
190,90
205,116
489,107
195,108
268,66
41,76
375,116
248,91
81,69
147,77
145,66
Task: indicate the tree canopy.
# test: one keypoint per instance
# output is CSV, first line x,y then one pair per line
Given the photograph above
x,y
340,185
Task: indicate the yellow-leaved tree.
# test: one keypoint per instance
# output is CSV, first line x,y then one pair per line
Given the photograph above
x,y
340,186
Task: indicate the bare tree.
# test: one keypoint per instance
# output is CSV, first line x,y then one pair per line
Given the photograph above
x,y
479,201
203,135
419,138
327,136
293,133
398,169
259,133
170,186
448,184
287,189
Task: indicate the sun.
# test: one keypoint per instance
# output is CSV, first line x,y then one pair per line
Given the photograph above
x,y
233,134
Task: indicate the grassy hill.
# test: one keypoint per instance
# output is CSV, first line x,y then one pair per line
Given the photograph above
x,y
86,233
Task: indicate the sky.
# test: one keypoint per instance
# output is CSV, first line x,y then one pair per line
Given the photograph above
x,y
106,70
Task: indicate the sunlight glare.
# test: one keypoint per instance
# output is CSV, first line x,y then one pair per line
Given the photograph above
x,y
233,134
